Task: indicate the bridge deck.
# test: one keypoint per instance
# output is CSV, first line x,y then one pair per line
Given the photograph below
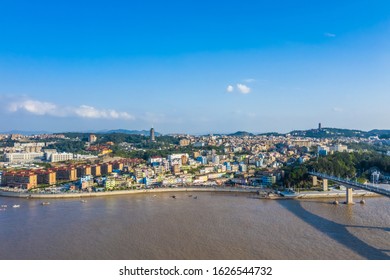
x,y
367,187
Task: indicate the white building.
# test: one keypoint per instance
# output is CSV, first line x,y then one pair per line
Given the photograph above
x,y
176,156
339,148
56,157
155,160
83,157
22,157
177,159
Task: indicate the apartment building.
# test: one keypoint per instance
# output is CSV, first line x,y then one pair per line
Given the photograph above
x,y
22,179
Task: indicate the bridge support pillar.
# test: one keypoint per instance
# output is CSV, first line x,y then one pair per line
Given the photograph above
x,y
349,196
325,185
314,182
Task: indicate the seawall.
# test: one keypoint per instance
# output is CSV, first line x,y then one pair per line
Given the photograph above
x,y
125,192
304,195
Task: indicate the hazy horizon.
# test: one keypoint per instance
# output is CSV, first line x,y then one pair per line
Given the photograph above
x,y
31,132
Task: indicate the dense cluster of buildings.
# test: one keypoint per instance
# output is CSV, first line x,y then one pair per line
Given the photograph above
x,y
213,160
27,152
31,178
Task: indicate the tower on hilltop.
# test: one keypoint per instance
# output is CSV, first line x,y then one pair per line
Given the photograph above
x,y
319,126
152,137
92,138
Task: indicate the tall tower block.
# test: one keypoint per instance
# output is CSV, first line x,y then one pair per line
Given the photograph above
x,y
152,138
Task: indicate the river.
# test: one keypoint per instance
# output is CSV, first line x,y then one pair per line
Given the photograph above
x,y
213,226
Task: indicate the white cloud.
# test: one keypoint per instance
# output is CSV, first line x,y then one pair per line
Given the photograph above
x,y
90,112
327,34
34,107
49,109
250,80
244,89
337,109
230,88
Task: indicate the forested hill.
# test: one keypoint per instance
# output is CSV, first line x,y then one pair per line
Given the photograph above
x,y
355,165
339,132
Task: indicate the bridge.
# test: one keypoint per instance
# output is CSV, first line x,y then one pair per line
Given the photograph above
x,y
349,184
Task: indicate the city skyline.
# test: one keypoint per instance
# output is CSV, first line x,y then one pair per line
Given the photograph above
x,y
148,133
194,67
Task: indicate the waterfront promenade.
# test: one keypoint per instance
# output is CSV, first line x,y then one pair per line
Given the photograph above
x,y
256,191
123,192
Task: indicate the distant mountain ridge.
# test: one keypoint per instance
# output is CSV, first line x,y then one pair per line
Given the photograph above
x,y
26,133
125,131
327,132
315,133
380,131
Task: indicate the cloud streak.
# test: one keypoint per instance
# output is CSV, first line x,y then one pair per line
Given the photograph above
x,y
90,112
330,35
42,108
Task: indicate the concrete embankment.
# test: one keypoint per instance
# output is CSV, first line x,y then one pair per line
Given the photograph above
x,y
126,192
303,195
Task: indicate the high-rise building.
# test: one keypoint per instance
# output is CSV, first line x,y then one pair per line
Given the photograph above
x,y
106,168
319,126
66,173
96,170
83,170
118,165
152,138
46,176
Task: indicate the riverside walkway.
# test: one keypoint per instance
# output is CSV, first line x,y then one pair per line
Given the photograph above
x,y
367,187
25,194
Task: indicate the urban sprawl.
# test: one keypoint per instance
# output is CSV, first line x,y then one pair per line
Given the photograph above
x,y
86,162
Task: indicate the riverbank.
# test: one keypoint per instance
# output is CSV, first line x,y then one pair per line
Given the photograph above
x,y
304,195
122,192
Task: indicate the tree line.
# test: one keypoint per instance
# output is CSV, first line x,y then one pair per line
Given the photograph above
x,y
356,165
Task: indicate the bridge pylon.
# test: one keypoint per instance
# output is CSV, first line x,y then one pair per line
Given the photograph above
x,y
349,196
367,187
314,181
325,185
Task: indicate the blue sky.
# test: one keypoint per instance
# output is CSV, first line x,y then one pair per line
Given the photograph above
x,y
194,66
